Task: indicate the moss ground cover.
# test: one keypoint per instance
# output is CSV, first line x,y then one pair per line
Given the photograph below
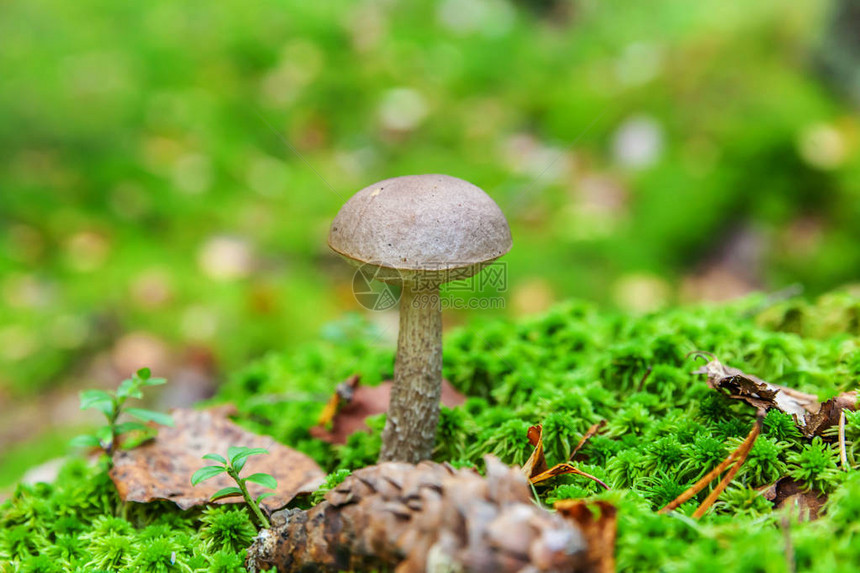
x,y
566,369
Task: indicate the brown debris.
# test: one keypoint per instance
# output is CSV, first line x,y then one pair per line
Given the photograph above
x,y
432,517
811,417
343,395
536,464
352,404
564,469
161,469
829,413
590,433
598,520
788,493
756,392
537,470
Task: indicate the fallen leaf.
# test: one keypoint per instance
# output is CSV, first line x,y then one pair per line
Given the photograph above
x,y
811,417
598,521
535,468
564,469
536,464
786,492
756,392
828,414
162,468
350,412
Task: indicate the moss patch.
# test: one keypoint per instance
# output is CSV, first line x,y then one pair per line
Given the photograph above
x,y
566,369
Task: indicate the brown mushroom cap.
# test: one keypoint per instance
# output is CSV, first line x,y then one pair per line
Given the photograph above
x,y
420,224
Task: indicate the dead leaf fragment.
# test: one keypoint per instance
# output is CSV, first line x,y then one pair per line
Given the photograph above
x,y
162,468
343,395
811,417
535,468
756,392
829,413
787,492
536,464
598,520
347,411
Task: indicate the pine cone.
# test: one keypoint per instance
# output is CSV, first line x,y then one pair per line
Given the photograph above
x,y
430,517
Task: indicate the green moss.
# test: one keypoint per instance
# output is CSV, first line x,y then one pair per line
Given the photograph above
x,y
815,466
566,370
331,481
227,528
75,525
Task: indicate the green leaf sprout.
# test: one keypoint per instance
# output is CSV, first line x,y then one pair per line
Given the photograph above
x,y
112,406
232,465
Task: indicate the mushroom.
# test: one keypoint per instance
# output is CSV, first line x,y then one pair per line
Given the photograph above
x,y
419,231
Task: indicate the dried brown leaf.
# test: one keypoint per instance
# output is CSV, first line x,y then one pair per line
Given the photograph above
x,y
162,468
828,414
756,392
535,468
789,493
598,520
811,417
564,469
536,464
347,414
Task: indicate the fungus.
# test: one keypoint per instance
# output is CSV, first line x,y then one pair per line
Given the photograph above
x,y
419,231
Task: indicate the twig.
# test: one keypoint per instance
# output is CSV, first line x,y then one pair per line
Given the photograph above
x,y
843,453
785,525
743,452
592,431
738,456
644,379
563,469
589,476
699,485
704,354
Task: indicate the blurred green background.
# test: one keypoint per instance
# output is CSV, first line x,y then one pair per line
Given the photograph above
x,y
169,169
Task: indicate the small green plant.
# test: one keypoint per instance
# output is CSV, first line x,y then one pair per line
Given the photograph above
x,y
332,480
764,464
743,500
227,528
780,426
661,488
814,466
706,453
238,456
225,561
112,405
664,454
159,555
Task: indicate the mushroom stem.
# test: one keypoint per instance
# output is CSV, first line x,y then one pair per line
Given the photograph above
x,y
413,412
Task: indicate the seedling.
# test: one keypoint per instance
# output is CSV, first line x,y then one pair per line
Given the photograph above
x,y
112,405
237,455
